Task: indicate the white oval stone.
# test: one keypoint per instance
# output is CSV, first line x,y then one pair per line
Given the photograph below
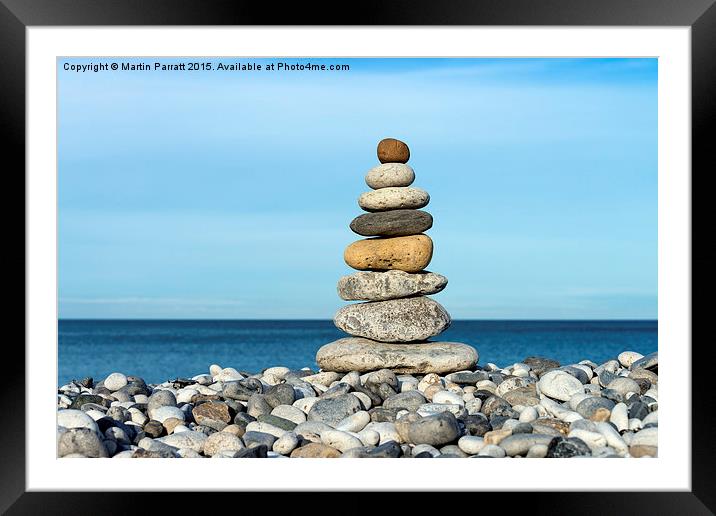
x,y
646,437
115,381
369,437
471,444
355,422
390,174
448,397
286,443
161,414
627,358
71,418
341,441
559,385
620,416
394,198
289,412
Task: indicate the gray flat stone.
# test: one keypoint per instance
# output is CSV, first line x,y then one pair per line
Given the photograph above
x,y
383,286
392,223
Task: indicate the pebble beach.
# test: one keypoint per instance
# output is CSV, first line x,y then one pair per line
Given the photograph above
x,y
535,408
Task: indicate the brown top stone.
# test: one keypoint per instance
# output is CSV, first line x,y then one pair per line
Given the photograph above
x,y
391,150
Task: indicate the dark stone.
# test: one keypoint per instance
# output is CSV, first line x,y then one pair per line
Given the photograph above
x,y
565,448
259,451
374,398
638,410
333,410
153,428
336,390
588,406
392,223
483,394
434,430
497,378
576,372
465,378
605,378
389,449
496,421
612,395
476,424
383,415
242,419
522,428
253,439
385,391
120,414
649,362
82,399
234,407
541,365
242,390
87,382
281,394
278,422
408,400
423,455
496,405
257,405
643,383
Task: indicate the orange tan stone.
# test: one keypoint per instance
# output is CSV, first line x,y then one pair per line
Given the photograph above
x,y
409,253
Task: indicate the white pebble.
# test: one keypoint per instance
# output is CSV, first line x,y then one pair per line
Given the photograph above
x,y
471,444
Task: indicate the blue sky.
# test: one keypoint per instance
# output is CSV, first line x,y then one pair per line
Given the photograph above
x,y
228,194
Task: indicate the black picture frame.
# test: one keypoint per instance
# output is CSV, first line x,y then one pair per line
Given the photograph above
x,y
699,15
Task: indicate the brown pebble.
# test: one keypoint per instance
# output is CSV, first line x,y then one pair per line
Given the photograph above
x,y
315,450
391,150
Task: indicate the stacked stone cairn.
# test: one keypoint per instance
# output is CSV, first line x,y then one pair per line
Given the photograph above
x,y
391,327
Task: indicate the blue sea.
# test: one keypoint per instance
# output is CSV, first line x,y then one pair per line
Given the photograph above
x,y
162,350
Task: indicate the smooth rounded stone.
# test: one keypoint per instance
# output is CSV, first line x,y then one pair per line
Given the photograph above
x,y
583,424
646,437
559,385
470,444
87,399
591,439
153,428
305,404
520,444
337,389
228,374
137,416
496,436
627,358
161,398
222,441
588,407
575,400
279,372
410,254
276,421
434,430
645,374
359,354
391,150
652,418
512,383
641,450
81,440
369,437
407,383
266,428
495,405
525,396
425,448
624,386
72,418
383,415
155,454
613,438
410,400
281,394
649,362
355,422
605,378
396,320
387,285
452,450
242,390
211,410
492,450
550,426
258,406
290,413
315,451
522,428
635,424
161,414
333,410
115,381
577,373
387,431
194,440
538,451
253,439
541,365
528,415
394,198
341,441
386,175
232,429
448,397
620,417
565,448
394,223
467,377
585,369
352,379
286,443
473,406
366,401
